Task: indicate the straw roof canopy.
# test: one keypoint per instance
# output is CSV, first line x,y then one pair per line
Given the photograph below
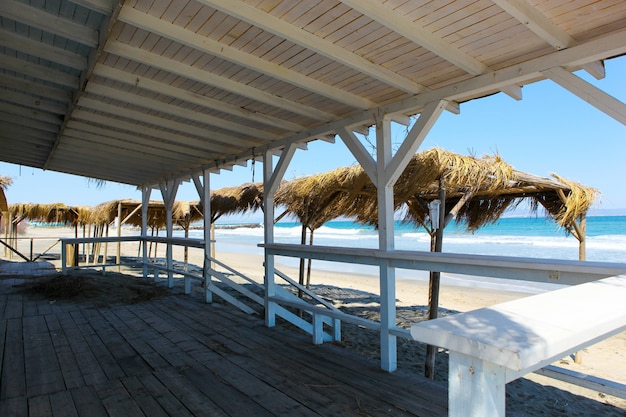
x,y
478,191
230,200
484,188
57,213
319,198
235,200
5,182
183,213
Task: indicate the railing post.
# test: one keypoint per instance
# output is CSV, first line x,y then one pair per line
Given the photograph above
x,y
145,204
63,258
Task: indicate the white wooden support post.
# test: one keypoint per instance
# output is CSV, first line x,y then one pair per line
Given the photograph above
x,y
384,172
318,329
204,192
168,191
145,204
475,387
271,179
388,342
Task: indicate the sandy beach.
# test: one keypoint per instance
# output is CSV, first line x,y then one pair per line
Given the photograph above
x,y
605,360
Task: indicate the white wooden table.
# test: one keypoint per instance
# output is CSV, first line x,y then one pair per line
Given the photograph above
x,y
492,346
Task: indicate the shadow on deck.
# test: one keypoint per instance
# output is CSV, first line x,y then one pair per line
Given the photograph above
x,y
176,356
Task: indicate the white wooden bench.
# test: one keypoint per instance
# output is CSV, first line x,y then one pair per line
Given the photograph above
x,y
492,346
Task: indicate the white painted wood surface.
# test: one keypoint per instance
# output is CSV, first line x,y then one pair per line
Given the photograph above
x,y
492,346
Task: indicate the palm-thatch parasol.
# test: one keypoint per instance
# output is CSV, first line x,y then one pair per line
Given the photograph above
x,y
234,200
475,190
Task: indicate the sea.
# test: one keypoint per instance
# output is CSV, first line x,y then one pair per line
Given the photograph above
x,y
527,237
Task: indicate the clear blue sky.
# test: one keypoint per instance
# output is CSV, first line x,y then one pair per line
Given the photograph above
x,y
549,131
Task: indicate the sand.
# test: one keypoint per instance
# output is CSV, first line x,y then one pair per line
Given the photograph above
x,y
359,294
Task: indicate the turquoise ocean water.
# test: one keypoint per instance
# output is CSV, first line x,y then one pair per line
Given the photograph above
x,y
530,237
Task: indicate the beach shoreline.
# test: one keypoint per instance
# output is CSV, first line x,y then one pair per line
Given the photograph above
x,y
604,360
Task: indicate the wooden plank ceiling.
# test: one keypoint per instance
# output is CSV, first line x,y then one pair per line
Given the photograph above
x,y
150,90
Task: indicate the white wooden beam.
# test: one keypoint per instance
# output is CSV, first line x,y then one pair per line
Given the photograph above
x,y
514,91
219,142
205,44
357,149
591,94
419,35
38,115
101,6
191,97
537,22
413,140
529,71
414,32
310,41
596,69
35,88
39,49
197,74
48,22
147,148
41,72
546,29
281,167
35,103
170,149
185,113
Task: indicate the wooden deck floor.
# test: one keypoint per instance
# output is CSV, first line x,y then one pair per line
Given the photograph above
x,y
177,356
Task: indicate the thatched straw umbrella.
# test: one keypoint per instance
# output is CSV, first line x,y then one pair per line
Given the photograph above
x,y
317,199
475,190
235,200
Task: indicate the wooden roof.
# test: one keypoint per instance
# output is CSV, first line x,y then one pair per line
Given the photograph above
x,y
150,90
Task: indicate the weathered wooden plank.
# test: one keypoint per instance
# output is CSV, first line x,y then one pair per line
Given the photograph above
x,y
13,379
226,396
104,358
62,404
144,399
168,393
43,374
194,361
14,407
127,358
13,307
137,334
287,368
39,406
88,366
277,348
70,368
3,305
87,402
117,401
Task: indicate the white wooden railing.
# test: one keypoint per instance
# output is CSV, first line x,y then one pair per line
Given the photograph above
x,y
565,272
325,319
